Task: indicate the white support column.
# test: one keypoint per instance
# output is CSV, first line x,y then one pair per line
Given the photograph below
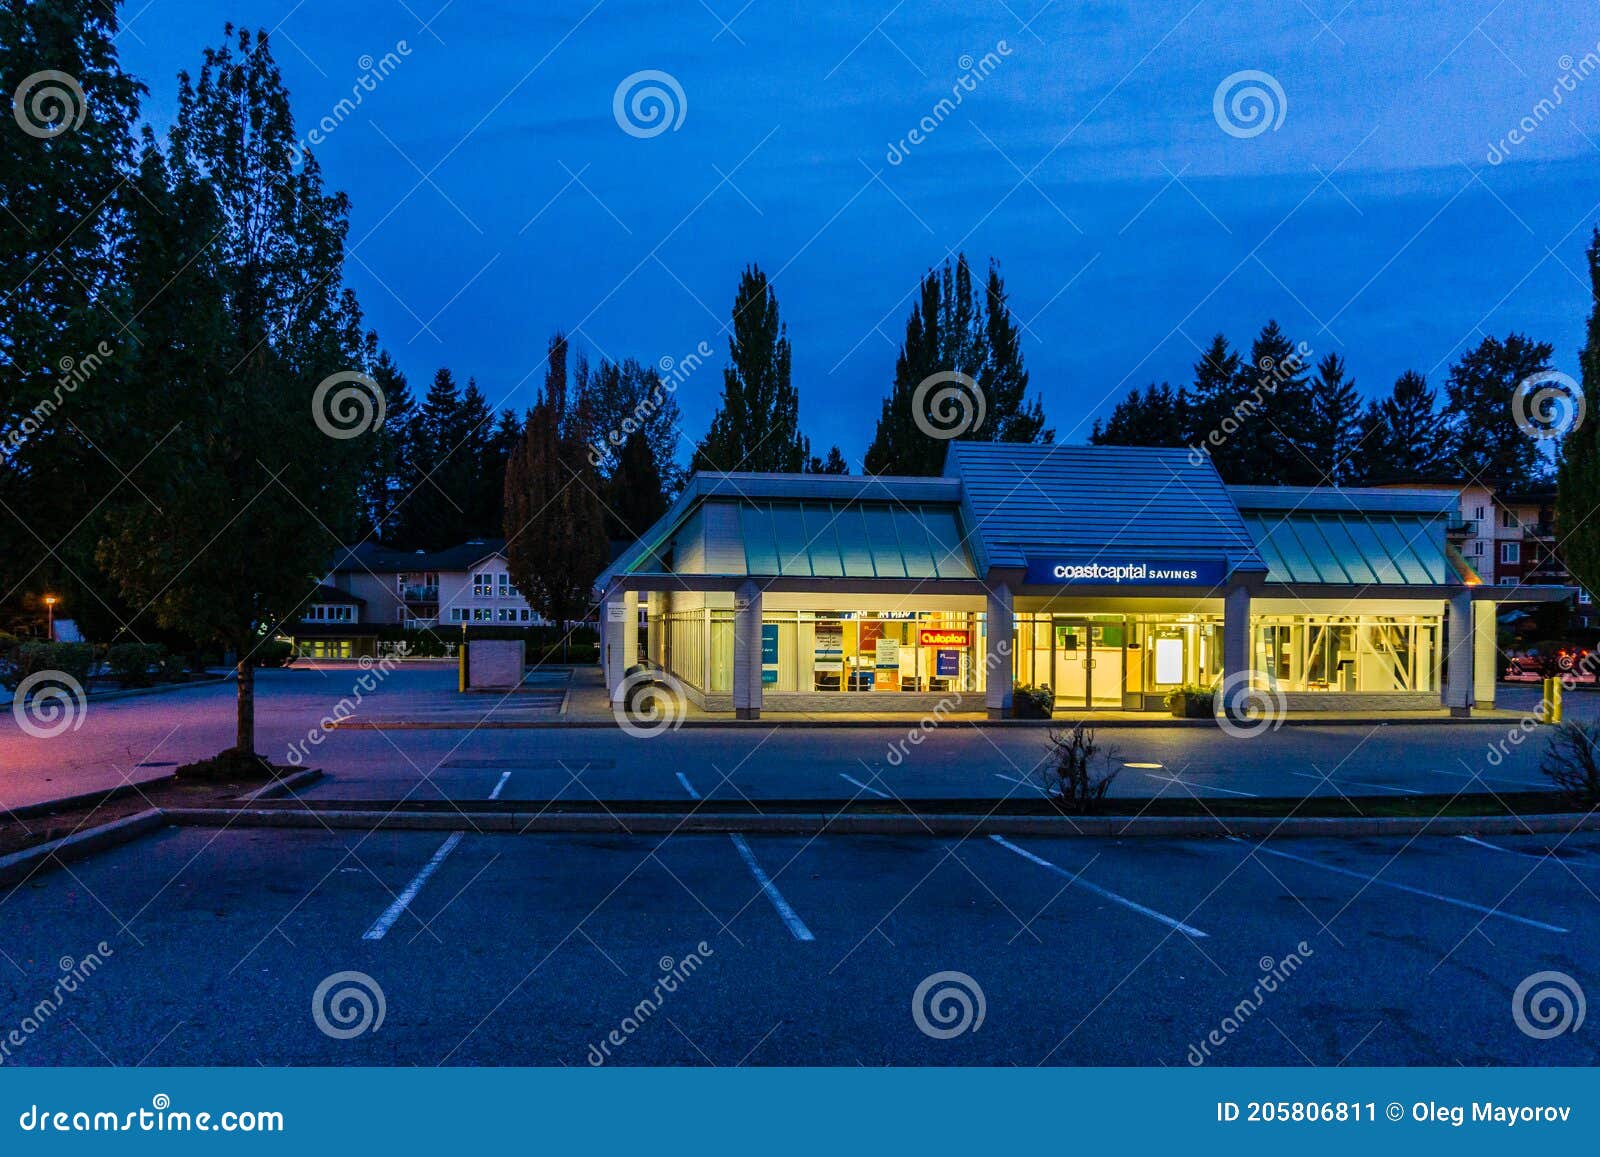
x,y
1235,646
630,630
1486,657
1458,670
613,611
747,651
999,644
656,631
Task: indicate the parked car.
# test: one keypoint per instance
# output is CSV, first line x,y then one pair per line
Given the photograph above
x,y
1576,663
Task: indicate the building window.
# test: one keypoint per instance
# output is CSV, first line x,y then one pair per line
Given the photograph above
x,y
1508,580
1374,653
1510,552
526,614
504,582
1477,513
1508,519
1477,548
1583,597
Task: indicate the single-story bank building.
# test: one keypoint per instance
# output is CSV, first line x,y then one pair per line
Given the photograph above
x,y
1113,574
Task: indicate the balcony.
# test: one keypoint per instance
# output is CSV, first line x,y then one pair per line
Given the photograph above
x,y
1461,528
420,594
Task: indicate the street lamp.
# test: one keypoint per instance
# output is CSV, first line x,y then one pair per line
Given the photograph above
x,y
50,610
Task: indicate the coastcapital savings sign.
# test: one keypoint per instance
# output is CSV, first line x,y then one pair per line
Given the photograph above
x,y
1120,571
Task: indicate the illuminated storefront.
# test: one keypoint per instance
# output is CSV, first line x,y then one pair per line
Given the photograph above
x,y
1114,576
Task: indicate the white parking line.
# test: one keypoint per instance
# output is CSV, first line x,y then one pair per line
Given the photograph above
x,y
788,915
403,901
1075,878
1467,904
863,786
1019,782
495,794
1355,783
1207,787
1488,778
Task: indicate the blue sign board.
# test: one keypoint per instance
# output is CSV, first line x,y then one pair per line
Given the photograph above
x,y
947,663
769,652
1122,570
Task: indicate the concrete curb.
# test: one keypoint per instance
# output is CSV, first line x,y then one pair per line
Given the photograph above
x,y
21,865
158,689
278,788
891,724
105,795
535,823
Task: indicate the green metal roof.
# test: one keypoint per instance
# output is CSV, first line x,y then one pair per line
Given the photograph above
x,y
852,540
1363,549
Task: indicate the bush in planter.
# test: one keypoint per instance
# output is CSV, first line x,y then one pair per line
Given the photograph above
x,y
130,663
1030,702
272,653
1192,701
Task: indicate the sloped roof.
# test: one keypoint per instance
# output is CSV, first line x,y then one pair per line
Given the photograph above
x,y
380,559
1021,500
1356,535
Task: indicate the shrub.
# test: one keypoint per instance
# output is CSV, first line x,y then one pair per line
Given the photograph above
x,y
1069,771
130,663
73,659
1192,701
272,653
1572,761
175,668
1029,702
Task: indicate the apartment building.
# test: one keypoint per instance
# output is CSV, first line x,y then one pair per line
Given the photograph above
x,y
371,586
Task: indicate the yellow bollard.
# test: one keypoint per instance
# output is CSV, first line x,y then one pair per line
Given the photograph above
x,y
461,673
1552,700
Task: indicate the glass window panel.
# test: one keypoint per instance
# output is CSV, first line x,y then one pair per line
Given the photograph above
x,y
854,548
885,540
822,541
789,528
914,544
760,551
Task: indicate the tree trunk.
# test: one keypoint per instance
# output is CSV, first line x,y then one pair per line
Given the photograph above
x,y
246,739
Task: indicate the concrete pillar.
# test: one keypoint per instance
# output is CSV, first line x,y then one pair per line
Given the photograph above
x,y
1486,654
1235,648
1458,670
747,651
999,645
630,630
613,614
656,632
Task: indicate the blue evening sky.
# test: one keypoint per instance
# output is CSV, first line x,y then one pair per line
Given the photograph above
x,y
495,197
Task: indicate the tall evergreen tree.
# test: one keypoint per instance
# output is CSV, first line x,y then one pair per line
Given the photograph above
x,y
1333,425
955,328
1485,440
636,495
249,495
384,482
1209,410
1403,436
67,169
832,463
617,399
757,426
1157,416
1578,478
1273,390
552,504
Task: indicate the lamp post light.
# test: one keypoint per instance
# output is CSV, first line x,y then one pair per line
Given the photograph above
x,y
50,611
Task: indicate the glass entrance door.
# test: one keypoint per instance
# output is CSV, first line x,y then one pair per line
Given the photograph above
x,y
1089,660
